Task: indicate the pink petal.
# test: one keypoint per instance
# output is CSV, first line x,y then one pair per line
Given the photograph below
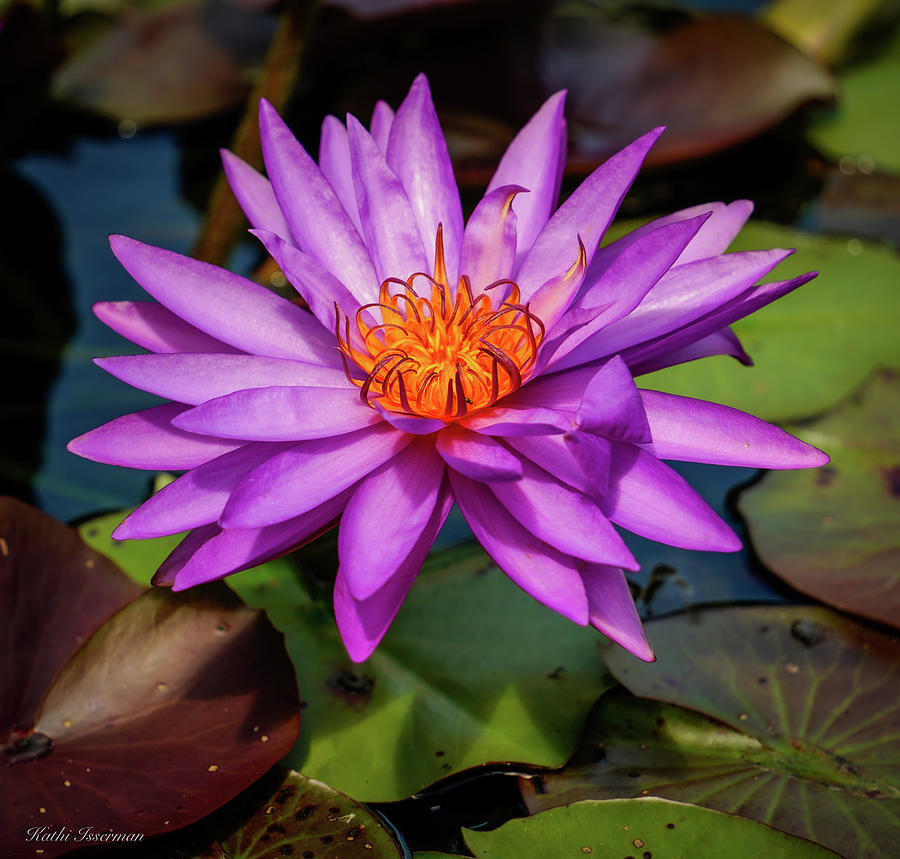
x,y
154,327
649,498
147,439
388,221
197,497
479,457
585,216
698,431
225,305
308,474
386,515
280,414
549,576
489,243
562,517
532,161
198,378
612,609
417,153
363,623
316,216
254,195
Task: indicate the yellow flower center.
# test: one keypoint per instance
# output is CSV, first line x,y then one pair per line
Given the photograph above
x,y
437,356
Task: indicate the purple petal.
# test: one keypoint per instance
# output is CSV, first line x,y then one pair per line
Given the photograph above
x,y
225,305
489,243
618,289
515,422
152,326
649,498
254,195
532,161
229,550
477,456
334,162
363,623
197,497
315,214
182,553
562,517
682,296
280,414
612,609
549,576
612,406
723,342
147,439
409,423
380,126
320,289
417,153
585,216
551,301
718,231
579,459
658,348
699,431
198,378
308,474
389,224
386,516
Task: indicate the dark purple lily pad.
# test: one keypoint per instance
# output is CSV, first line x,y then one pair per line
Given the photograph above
x,y
835,533
55,593
168,710
810,705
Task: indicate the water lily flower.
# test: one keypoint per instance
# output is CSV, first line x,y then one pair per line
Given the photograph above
x,y
489,362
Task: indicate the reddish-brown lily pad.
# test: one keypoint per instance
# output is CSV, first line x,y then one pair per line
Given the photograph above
x,y
813,703
168,710
834,533
713,81
54,592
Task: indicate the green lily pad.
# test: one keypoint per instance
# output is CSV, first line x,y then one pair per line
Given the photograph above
x,y
633,828
472,670
288,814
835,533
813,347
865,121
814,701
138,558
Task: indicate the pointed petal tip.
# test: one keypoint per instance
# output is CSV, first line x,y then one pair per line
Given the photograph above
x,y
162,579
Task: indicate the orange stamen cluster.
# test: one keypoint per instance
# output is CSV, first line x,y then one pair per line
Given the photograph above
x,y
436,356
